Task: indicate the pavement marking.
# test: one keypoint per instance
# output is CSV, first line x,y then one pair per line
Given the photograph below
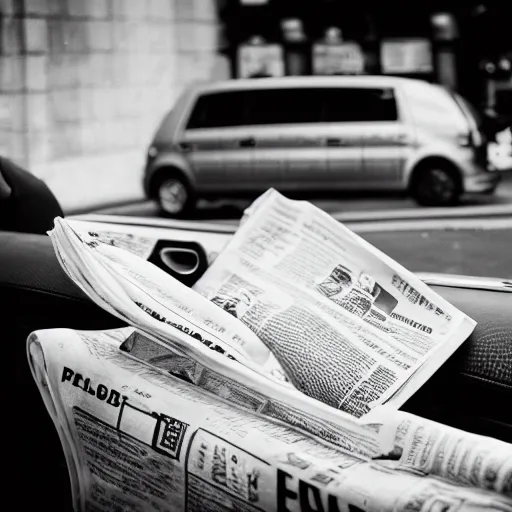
x,y
425,213
430,225
343,212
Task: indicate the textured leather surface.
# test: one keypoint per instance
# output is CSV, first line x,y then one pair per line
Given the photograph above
x,y
36,294
473,389
487,354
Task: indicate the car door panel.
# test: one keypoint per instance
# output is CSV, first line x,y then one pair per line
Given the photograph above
x,y
289,152
344,156
216,142
364,150
219,156
269,158
236,160
386,149
203,149
304,157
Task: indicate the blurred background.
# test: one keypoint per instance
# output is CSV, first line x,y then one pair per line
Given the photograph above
x,y
85,83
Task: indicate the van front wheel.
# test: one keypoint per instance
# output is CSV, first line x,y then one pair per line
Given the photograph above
x,y
174,196
436,185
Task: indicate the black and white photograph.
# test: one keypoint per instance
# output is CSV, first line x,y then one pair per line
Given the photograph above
x,y
236,305
256,255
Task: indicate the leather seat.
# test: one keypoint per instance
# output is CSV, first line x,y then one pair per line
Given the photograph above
x,y
35,293
472,391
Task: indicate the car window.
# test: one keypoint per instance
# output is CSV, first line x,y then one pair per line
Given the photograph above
x,y
218,110
345,105
257,107
284,106
293,106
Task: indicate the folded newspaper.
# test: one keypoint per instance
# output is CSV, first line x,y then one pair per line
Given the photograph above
x,y
273,384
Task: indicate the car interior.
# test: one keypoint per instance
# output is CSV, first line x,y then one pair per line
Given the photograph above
x,y
472,390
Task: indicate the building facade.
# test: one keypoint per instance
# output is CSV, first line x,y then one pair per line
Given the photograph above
x,y
84,84
465,47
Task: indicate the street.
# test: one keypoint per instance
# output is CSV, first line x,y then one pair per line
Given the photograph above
x,y
472,239
233,209
315,370
473,252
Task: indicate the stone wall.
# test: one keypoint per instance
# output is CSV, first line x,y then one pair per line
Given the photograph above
x,y
84,84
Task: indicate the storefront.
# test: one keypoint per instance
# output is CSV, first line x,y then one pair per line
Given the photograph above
x,y
434,41
324,37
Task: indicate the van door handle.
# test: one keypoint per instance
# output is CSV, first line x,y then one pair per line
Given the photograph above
x,y
185,146
333,142
247,143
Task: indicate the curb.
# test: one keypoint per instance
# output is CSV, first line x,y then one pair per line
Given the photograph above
x,y
105,207
395,226
461,212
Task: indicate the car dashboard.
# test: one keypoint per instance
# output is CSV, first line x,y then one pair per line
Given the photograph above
x,y
471,391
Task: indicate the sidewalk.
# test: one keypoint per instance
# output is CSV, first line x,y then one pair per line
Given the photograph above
x,y
121,194
88,183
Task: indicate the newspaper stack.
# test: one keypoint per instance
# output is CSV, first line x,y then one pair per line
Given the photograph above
x,y
295,296
273,384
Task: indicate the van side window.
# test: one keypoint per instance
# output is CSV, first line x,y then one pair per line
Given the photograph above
x,y
284,106
347,105
293,106
257,107
217,110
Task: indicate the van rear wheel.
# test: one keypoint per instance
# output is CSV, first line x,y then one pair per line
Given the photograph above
x,y
436,184
174,196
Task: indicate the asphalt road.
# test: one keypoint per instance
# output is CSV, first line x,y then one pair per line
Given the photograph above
x,y
481,248
233,209
473,252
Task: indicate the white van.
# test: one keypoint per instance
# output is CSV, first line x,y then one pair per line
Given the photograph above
x,y
315,135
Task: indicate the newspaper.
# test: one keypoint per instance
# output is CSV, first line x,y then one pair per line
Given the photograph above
x,y
351,327
137,437
146,240
190,326
273,384
142,294
301,299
